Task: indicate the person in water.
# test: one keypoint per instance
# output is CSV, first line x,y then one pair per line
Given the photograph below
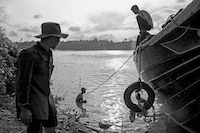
x,y
79,99
144,21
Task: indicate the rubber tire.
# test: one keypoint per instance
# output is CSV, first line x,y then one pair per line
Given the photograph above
x,y
131,88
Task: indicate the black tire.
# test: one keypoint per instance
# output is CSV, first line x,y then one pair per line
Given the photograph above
x,y
134,86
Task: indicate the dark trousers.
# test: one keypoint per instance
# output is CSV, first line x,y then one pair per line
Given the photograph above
x,y
35,126
143,26
140,37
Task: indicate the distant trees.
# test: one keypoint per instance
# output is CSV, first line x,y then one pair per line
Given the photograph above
x,y
94,44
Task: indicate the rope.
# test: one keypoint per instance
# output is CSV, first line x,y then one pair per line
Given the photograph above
x,y
109,76
138,97
175,38
184,27
140,66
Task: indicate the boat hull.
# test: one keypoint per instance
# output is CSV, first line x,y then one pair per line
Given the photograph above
x,y
171,66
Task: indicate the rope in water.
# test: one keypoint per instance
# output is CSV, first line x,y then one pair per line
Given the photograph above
x,y
110,76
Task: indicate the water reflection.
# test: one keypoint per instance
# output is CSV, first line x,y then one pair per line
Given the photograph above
x,y
113,110
116,52
116,63
93,68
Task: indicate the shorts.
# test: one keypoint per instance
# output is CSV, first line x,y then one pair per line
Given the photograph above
x,y
52,120
36,125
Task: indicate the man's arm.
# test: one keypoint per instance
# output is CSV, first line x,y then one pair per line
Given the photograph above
x,y
25,69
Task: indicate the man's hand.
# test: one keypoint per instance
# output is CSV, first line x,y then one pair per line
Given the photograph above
x,y
26,115
84,101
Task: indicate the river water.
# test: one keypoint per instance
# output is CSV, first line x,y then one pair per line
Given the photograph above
x,y
99,73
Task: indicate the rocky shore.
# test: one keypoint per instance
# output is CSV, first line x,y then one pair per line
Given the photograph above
x,y
68,120
9,123
8,120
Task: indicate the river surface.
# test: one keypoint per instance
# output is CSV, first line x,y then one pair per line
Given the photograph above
x,y
99,73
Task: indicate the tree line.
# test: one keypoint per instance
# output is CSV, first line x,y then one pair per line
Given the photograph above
x,y
87,45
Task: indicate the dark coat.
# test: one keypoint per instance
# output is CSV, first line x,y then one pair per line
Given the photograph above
x,y
35,66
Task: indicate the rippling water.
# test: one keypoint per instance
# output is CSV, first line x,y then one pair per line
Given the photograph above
x,y
90,69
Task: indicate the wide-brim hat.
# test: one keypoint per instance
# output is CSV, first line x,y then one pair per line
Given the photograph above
x,y
51,29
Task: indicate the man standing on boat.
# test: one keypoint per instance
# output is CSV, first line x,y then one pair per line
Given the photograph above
x,y
35,66
145,22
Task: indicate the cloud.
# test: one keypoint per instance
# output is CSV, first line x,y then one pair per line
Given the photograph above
x,y
130,23
181,1
12,33
80,36
162,14
65,23
74,28
37,16
107,21
103,18
4,17
2,8
29,36
103,37
160,17
76,36
32,29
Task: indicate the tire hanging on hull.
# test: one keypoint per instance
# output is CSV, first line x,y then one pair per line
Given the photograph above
x,y
133,87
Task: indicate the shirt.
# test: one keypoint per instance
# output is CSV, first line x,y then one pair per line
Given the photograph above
x,y
35,66
145,15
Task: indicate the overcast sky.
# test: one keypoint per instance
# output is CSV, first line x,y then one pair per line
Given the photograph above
x,y
83,19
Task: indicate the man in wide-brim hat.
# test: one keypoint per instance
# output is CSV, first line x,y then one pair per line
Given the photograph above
x,y
35,66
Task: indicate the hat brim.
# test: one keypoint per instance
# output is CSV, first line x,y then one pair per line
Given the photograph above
x,y
48,35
